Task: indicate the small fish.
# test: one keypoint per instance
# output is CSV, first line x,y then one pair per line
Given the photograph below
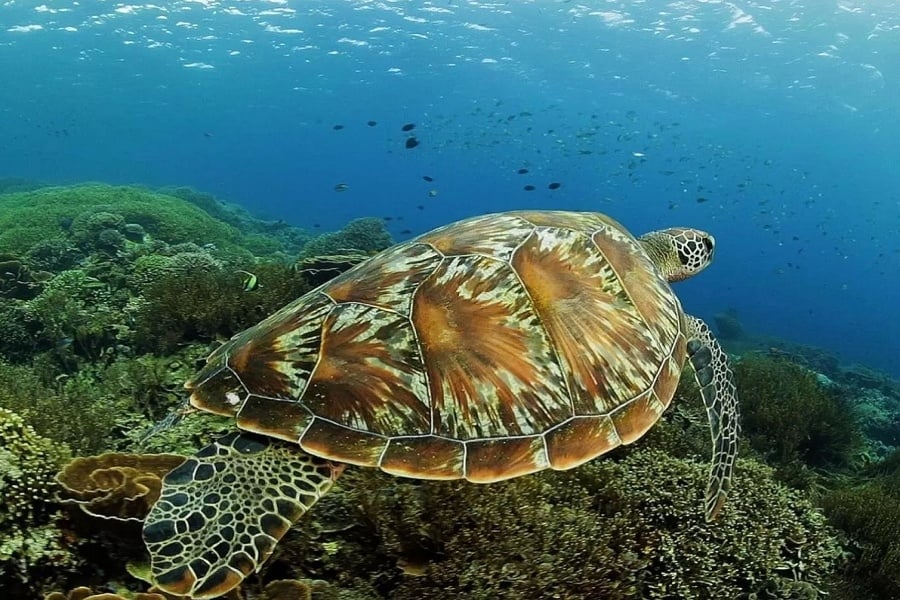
x,y
338,127
169,421
427,178
701,200
341,187
554,186
371,123
408,127
411,143
432,193
522,171
249,282
528,188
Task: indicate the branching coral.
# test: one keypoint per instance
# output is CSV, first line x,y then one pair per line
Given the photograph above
x,y
201,303
77,307
366,235
789,416
629,529
29,540
869,515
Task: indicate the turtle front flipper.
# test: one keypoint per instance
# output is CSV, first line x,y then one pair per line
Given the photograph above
x,y
716,382
222,511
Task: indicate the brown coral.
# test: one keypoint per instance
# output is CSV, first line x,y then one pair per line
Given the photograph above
x,y
86,593
116,486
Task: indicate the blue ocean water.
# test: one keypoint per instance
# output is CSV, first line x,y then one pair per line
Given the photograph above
x,y
772,124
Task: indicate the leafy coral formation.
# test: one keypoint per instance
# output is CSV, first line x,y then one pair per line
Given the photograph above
x,y
115,485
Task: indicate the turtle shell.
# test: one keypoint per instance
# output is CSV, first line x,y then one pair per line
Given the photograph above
x,y
490,348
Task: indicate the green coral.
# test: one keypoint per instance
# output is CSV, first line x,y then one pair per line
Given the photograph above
x,y
367,234
54,254
85,211
610,529
19,339
201,302
74,409
869,516
29,540
79,308
98,230
793,419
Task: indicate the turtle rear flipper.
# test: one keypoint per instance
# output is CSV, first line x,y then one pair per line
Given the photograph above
x,y
716,382
222,511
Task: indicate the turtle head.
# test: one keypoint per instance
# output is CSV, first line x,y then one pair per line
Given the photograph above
x,y
679,252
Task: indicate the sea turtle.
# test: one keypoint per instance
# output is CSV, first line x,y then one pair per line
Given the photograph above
x,y
490,348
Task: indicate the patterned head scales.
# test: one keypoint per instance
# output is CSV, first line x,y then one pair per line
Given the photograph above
x,y
680,252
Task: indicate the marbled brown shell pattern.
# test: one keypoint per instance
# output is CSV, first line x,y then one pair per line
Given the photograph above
x,y
490,348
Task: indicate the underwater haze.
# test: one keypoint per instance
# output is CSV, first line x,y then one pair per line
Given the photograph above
x,y
773,125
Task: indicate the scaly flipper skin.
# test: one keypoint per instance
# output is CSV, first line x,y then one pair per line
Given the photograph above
x,y
221,513
716,382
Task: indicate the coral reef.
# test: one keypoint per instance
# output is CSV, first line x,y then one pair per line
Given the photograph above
x,y
77,307
869,515
191,304
31,547
17,281
794,420
611,529
282,589
111,296
114,485
366,235
262,237
85,212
